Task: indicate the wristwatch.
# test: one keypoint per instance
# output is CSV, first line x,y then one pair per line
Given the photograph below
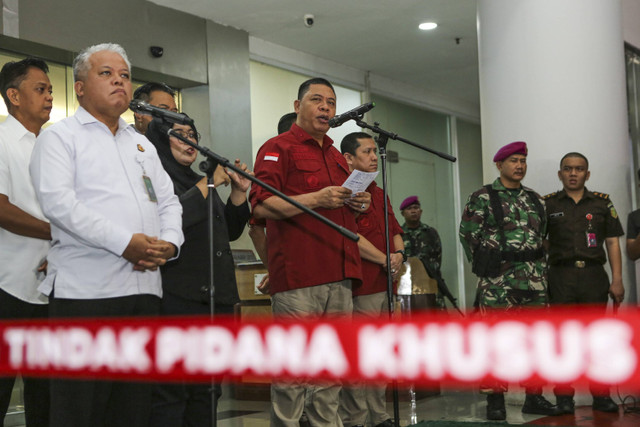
x,y
404,255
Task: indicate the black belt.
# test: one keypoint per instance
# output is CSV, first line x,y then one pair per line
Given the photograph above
x,y
523,256
577,263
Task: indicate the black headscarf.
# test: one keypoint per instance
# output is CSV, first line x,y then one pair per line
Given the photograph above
x,y
182,176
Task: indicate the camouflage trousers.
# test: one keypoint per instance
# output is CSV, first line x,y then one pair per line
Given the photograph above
x,y
506,298
493,301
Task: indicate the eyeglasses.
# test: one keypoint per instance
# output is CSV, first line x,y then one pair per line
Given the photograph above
x,y
190,135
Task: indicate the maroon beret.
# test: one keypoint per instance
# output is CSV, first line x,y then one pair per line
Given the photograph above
x,y
517,147
408,202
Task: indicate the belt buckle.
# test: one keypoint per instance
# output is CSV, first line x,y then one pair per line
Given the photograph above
x,y
579,264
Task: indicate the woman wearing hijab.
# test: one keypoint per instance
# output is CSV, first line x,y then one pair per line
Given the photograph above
x,y
185,281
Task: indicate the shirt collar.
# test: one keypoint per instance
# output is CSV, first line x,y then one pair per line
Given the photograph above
x,y
587,194
302,136
16,128
497,185
418,228
84,117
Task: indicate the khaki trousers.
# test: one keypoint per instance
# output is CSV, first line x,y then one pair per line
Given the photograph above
x,y
288,399
357,403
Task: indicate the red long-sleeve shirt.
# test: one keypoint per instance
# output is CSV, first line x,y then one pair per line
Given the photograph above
x,y
302,251
371,226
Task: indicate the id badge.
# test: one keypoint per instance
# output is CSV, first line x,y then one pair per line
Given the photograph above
x,y
592,242
149,186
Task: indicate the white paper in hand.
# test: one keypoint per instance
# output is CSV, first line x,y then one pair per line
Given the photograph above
x,y
358,181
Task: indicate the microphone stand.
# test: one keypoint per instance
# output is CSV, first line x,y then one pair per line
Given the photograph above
x,y
382,140
209,166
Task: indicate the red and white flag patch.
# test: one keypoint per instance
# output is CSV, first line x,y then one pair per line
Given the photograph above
x,y
272,156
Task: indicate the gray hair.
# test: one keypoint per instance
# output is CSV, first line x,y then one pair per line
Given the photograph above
x,y
81,63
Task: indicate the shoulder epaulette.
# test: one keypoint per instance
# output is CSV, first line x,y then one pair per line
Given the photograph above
x,y
550,195
601,195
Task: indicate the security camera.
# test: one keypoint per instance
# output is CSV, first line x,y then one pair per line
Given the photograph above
x,y
309,20
156,51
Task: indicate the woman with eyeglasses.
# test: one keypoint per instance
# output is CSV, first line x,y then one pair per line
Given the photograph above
x,y
185,281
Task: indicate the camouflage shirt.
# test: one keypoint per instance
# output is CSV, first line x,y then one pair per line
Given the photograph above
x,y
519,283
423,242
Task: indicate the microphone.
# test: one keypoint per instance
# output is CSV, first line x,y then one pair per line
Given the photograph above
x,y
151,110
338,120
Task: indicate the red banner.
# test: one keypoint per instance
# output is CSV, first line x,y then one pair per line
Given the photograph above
x,y
556,346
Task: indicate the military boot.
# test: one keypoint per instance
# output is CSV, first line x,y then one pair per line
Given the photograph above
x,y
566,404
495,407
537,404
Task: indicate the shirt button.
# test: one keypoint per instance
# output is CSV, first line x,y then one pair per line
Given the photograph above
x,y
219,254
204,289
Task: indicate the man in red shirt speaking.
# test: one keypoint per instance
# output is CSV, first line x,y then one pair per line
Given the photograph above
x,y
311,266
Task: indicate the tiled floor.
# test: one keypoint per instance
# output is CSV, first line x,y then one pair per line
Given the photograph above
x,y
450,405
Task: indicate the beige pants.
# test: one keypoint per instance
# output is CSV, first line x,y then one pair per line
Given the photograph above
x,y
358,403
288,399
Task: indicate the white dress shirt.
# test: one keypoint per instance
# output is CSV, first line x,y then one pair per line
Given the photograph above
x,y
20,256
90,185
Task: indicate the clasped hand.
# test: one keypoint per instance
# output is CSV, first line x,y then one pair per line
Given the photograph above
x,y
147,252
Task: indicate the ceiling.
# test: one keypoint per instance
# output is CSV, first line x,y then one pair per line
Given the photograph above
x,y
379,36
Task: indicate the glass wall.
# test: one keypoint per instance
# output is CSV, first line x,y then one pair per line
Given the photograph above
x,y
632,55
421,173
61,88
633,99
64,99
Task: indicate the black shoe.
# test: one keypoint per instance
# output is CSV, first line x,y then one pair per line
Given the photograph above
x,y
495,407
565,404
604,404
386,423
304,421
536,404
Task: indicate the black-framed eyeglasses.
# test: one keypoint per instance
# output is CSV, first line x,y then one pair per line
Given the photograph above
x,y
190,134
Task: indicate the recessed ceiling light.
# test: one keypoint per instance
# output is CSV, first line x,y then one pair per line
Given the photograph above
x,y
428,26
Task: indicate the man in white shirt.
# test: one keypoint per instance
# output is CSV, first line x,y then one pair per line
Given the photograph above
x,y
114,221
24,232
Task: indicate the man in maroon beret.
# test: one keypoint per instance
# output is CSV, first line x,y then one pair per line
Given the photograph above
x,y
502,229
517,147
421,240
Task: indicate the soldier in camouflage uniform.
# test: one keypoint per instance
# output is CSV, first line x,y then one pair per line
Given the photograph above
x,y
421,240
502,229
